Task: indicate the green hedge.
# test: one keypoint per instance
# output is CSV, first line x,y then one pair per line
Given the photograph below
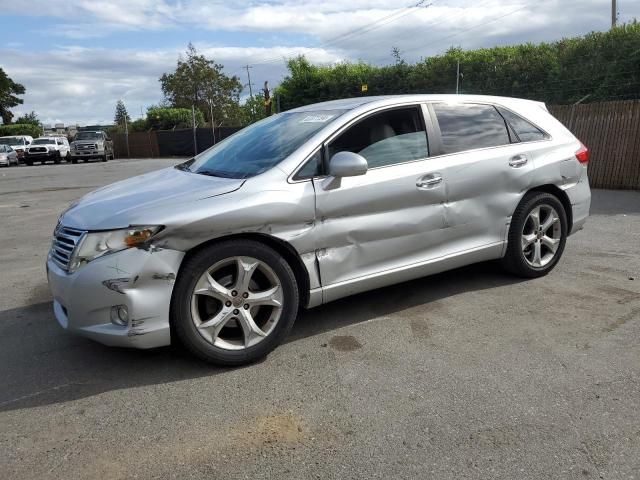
x,y
599,66
20,129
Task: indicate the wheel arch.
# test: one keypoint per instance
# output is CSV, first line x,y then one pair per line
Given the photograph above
x,y
561,196
284,248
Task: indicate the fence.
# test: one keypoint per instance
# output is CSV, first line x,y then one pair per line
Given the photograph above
x,y
611,131
167,143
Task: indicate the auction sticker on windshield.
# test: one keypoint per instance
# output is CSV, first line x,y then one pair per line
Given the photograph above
x,y
316,118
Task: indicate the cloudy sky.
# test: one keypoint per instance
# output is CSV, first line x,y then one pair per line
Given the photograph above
x,y
76,58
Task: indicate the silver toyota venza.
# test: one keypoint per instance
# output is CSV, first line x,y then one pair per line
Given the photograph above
x,y
222,251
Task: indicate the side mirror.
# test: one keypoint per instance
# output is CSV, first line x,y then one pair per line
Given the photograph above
x,y
344,164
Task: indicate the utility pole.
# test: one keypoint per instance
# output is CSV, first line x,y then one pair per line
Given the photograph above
x,y
614,13
247,67
195,139
458,77
126,134
213,125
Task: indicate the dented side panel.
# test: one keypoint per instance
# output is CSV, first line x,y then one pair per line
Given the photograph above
x,y
378,221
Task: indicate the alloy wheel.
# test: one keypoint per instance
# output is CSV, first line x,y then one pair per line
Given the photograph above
x,y
237,303
541,235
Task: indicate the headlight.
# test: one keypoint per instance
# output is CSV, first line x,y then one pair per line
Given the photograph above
x,y
97,244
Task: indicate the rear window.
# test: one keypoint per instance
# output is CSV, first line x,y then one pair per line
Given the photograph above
x,y
469,126
526,131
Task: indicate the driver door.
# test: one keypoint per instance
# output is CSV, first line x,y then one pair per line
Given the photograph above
x,y
390,217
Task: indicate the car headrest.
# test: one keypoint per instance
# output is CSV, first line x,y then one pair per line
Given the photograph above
x,y
380,132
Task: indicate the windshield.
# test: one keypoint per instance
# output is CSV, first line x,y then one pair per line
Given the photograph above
x,y
89,136
11,141
260,146
43,141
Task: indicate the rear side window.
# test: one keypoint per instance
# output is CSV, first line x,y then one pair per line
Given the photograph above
x,y
468,126
527,132
386,138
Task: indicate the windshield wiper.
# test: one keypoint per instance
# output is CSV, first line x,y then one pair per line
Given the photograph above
x,y
215,173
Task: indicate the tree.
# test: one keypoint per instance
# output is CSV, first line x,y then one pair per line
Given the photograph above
x,y
251,110
20,129
28,118
163,118
201,82
121,114
8,99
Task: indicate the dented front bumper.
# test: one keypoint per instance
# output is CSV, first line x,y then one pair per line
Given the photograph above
x,y
141,280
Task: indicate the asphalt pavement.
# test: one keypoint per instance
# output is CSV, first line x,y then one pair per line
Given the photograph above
x,y
467,374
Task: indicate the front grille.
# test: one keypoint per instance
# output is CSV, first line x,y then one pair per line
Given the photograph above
x,y
38,150
65,240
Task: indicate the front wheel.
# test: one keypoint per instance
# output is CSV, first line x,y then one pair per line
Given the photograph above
x,y
234,302
537,236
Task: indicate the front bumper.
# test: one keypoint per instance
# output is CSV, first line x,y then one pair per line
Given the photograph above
x,y
87,153
140,279
37,156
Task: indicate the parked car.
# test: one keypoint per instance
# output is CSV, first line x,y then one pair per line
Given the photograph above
x,y
311,205
8,156
18,143
89,145
44,149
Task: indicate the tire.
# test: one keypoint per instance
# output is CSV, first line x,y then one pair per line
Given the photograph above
x,y
74,161
29,162
57,159
236,343
105,158
530,250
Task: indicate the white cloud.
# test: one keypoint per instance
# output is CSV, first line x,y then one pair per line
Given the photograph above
x,y
82,84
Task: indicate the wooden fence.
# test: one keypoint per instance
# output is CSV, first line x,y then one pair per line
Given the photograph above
x,y
611,131
141,145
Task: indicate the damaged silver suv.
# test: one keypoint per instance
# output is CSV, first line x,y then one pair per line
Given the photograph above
x,y
221,252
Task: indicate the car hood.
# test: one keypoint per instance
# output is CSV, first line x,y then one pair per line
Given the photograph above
x,y
145,199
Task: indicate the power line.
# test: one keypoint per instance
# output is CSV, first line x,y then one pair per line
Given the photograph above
x,y
360,31
482,24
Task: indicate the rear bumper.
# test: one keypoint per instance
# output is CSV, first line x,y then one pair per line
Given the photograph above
x,y
580,197
139,279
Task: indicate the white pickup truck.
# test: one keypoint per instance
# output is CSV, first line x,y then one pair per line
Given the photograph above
x,y
45,149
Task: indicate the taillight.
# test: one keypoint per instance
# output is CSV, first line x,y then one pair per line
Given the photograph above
x,y
582,154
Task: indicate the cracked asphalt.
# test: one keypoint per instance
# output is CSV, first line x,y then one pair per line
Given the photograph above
x,y
467,374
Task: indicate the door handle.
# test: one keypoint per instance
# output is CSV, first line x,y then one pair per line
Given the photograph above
x,y
518,161
429,181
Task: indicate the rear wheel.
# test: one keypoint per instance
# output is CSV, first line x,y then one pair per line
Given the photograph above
x,y
74,160
234,303
29,162
537,235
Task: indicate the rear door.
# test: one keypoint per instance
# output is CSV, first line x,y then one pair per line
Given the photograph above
x,y
393,215
485,171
